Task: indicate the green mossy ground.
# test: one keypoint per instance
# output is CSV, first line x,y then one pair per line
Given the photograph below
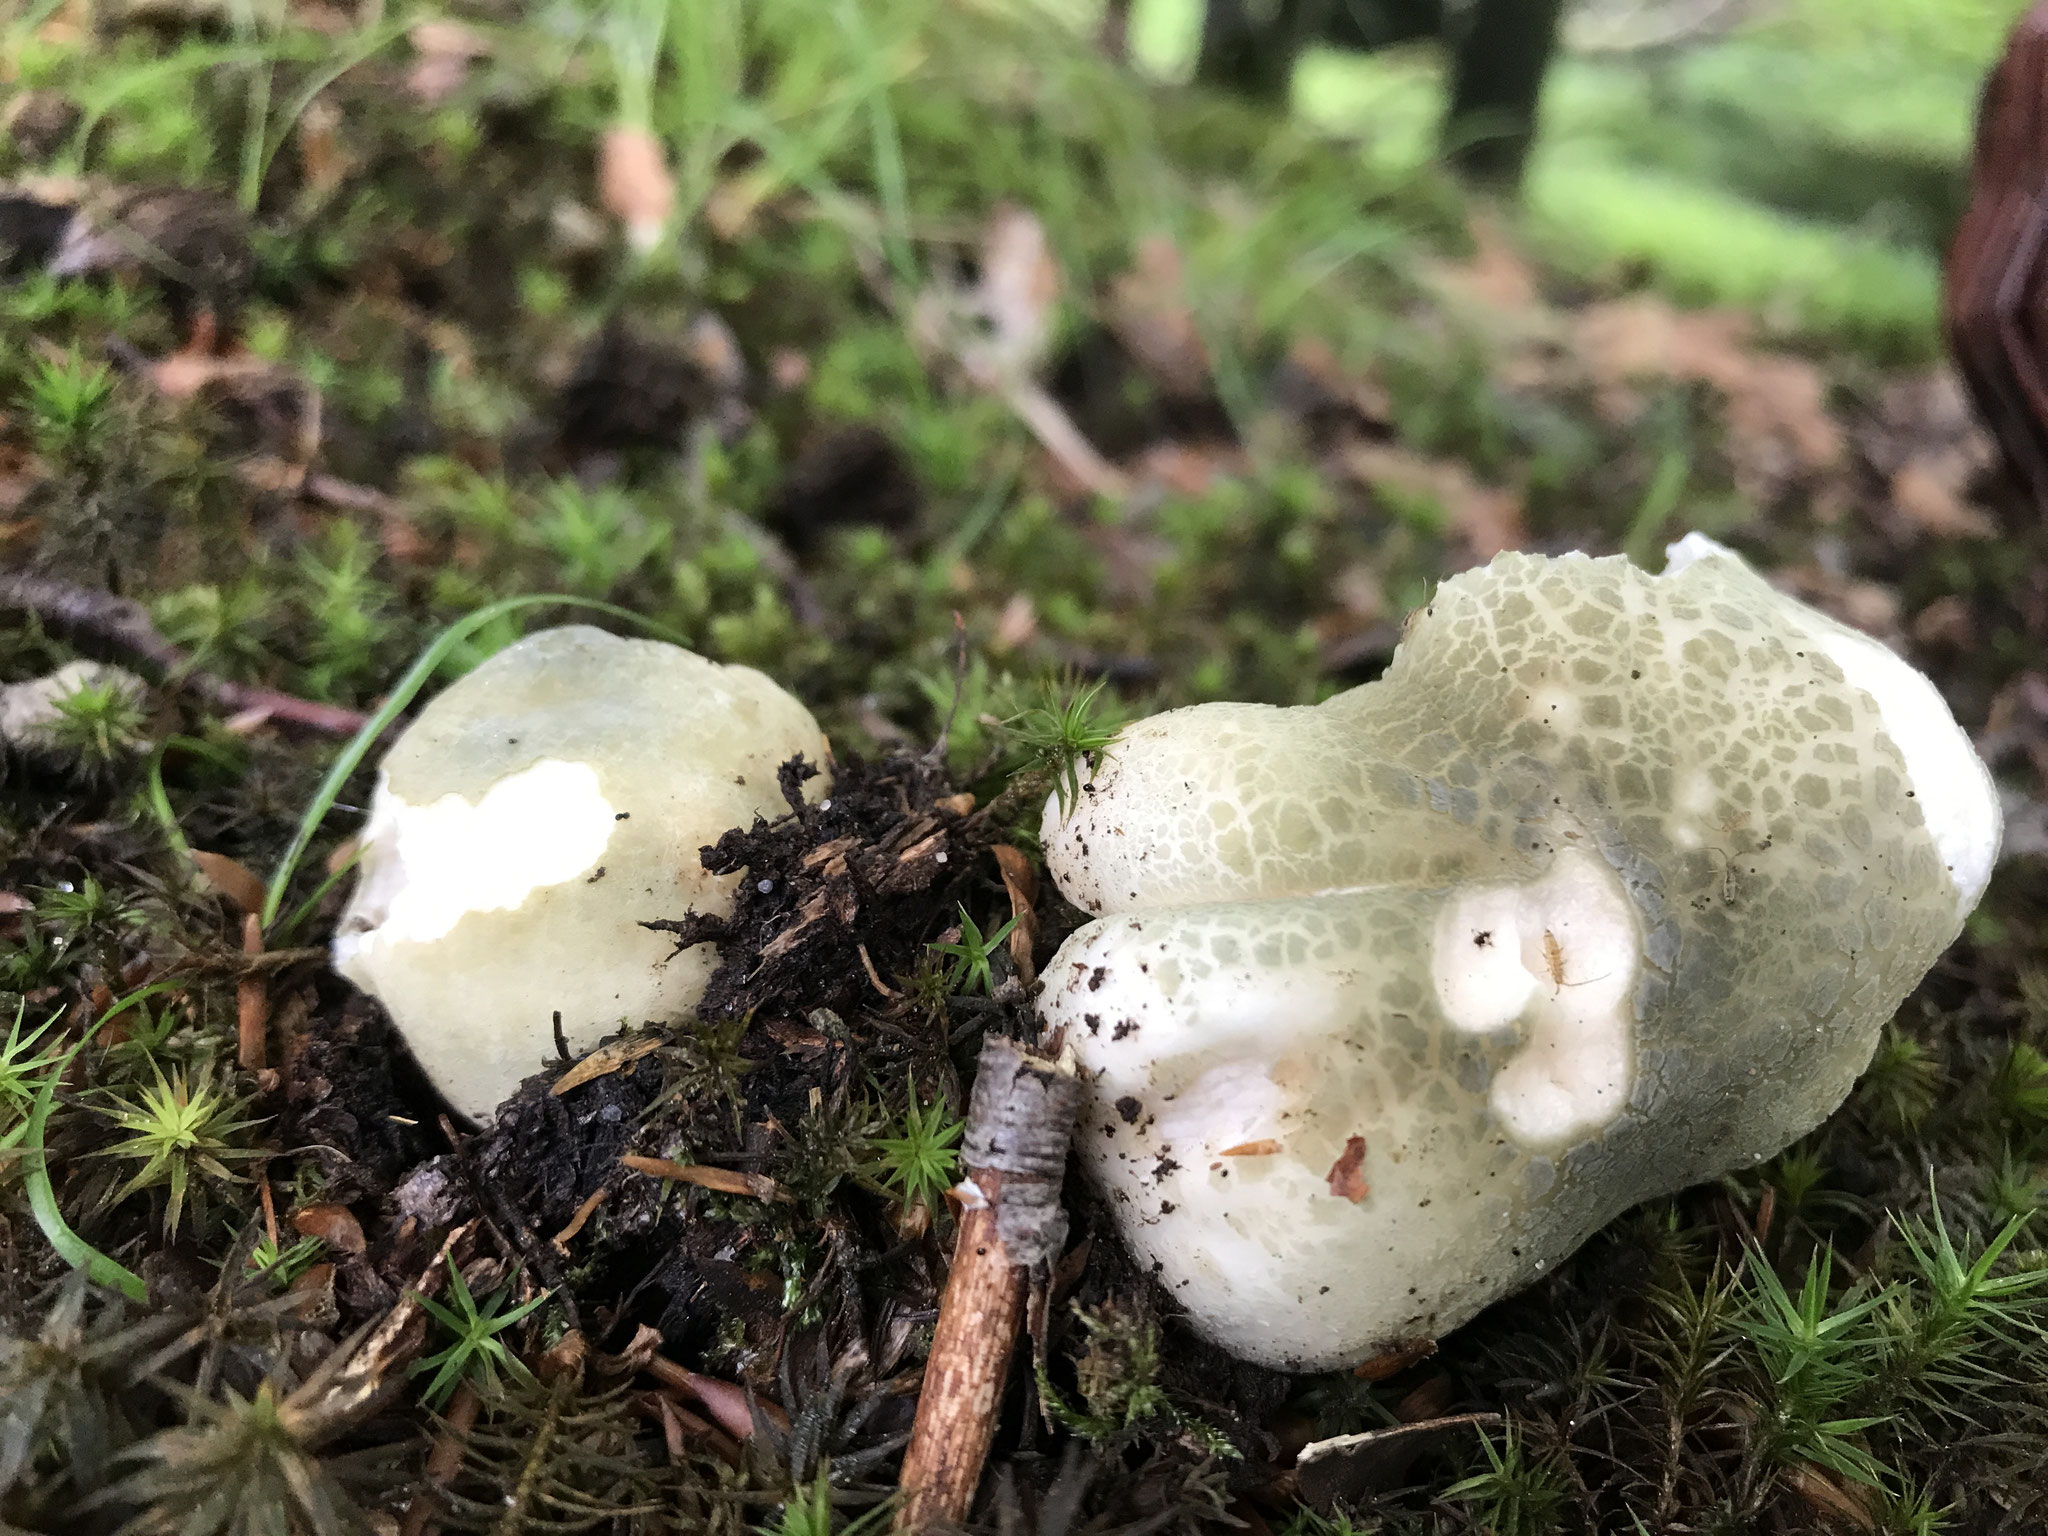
x,y
1849,1336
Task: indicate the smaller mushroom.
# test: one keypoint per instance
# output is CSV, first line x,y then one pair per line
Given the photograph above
x,y
526,825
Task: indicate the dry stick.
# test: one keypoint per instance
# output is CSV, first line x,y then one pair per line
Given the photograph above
x,y
252,1002
443,1462
124,624
1018,1126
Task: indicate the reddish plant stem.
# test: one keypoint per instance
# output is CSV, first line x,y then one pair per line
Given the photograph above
x,y
123,624
252,1002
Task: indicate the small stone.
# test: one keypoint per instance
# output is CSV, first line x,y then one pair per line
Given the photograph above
x,y
30,719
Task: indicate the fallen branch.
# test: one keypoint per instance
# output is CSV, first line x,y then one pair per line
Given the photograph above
x,y
1015,1152
122,624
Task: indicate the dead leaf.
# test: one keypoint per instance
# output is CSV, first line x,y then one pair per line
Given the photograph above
x,y
1495,276
1828,1498
997,332
640,1353
1488,519
1190,469
788,369
726,1181
733,202
1016,625
1148,312
1347,1174
1319,381
444,51
231,878
1428,1400
321,161
732,1406
1020,283
1021,881
1865,605
20,473
564,1359
635,185
1945,623
335,1225
605,1060
1779,426
316,1305
1393,1362
1932,501
184,373
711,345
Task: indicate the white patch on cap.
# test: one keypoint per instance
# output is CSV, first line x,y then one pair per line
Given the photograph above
x,y
1958,801
1559,952
426,867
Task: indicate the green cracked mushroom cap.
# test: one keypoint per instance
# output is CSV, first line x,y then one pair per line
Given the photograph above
x,y
536,812
1605,888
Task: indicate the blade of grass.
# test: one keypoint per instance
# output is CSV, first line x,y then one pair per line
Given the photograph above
x,y
35,1169
1667,486
160,804
372,41
400,698
305,908
892,182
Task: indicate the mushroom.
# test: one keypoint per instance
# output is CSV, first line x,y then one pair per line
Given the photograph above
x,y
528,822
1605,888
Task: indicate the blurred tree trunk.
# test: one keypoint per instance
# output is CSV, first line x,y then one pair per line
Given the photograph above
x,y
1993,306
1496,82
1114,37
1500,54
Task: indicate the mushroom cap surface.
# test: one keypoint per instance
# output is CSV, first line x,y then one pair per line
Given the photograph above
x,y
525,825
1608,886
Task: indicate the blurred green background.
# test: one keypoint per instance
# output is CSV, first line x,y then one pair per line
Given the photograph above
x,y
1805,157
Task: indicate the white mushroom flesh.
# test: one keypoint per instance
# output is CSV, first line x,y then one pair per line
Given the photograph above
x,y
1607,887
528,822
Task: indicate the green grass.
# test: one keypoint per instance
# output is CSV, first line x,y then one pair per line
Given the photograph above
x,y
1808,165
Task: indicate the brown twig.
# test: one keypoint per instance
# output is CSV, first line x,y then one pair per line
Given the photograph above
x,y
1018,1125
726,1181
560,1241
443,1462
122,624
252,1001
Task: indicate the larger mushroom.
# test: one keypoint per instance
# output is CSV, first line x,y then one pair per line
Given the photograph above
x,y
1607,887
527,823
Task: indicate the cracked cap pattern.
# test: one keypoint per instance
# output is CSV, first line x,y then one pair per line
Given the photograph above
x,y
1607,887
